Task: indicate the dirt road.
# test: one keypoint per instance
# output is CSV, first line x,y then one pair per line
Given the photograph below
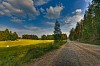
x,y
71,54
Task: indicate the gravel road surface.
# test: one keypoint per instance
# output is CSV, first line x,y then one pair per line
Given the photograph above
x,y
70,54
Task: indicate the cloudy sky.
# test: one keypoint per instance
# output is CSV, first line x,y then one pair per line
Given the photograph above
x,y
38,16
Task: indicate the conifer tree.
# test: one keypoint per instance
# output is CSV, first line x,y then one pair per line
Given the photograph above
x,y
88,30
57,32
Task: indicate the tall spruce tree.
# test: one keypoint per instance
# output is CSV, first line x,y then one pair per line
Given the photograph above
x,y
57,32
88,30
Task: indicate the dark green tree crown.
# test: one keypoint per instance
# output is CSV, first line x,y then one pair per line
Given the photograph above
x,y
57,29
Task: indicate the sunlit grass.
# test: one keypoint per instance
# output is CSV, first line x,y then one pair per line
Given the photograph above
x,y
20,55
22,42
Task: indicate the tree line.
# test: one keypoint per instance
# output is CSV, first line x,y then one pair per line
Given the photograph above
x,y
8,35
43,37
35,37
88,29
57,36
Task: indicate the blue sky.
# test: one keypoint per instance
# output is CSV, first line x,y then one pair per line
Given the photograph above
x,y
38,16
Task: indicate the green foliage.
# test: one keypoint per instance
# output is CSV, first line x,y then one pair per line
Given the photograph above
x,y
14,36
20,55
8,35
72,35
96,1
57,32
26,36
51,37
88,30
43,37
63,36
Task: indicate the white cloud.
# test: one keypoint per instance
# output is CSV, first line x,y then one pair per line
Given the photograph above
x,y
1,6
42,10
74,19
53,12
50,23
70,22
11,8
31,27
17,20
2,13
40,2
19,8
87,0
77,11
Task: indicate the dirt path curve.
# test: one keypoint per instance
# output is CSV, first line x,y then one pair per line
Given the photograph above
x,y
71,54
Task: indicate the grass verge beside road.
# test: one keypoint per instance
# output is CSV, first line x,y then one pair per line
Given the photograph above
x,y
19,55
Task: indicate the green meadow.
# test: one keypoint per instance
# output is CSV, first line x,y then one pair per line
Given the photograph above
x,y
21,52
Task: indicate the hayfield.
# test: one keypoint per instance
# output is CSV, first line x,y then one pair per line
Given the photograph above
x,y
22,42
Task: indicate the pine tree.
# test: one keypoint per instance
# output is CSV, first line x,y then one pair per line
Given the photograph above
x,y
57,32
72,34
88,30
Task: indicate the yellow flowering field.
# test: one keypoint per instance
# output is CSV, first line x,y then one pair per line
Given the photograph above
x,y
22,42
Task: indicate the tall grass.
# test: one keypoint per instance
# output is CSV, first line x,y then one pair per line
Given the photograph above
x,y
19,55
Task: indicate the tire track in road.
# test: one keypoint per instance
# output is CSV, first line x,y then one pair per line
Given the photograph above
x,y
90,50
76,56
71,54
67,57
92,58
